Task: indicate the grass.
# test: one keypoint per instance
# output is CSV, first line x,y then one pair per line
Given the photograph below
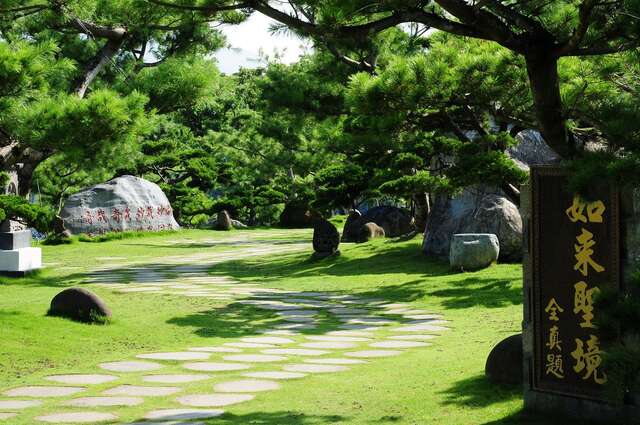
x,y
443,384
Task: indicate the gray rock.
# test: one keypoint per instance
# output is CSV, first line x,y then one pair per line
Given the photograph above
x,y
531,150
237,224
395,222
224,221
326,238
369,231
504,364
475,210
122,204
79,304
473,251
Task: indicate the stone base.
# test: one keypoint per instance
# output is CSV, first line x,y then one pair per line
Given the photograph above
x,y
15,240
321,255
20,260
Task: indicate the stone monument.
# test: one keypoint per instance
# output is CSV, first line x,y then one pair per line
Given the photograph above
x,y
17,256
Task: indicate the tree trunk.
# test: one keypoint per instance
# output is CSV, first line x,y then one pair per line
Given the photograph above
x,y
93,68
545,87
422,209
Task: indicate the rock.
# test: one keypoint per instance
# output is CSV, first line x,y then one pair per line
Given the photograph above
x,y
504,364
122,204
473,251
326,238
79,304
395,222
476,210
237,224
224,221
350,231
531,150
370,231
298,216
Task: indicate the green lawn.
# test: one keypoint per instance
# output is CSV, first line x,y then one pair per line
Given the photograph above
x,y
442,384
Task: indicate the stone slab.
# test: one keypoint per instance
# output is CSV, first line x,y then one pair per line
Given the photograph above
x,y
268,340
182,414
104,401
81,379
246,386
373,353
214,400
18,404
255,358
178,356
43,391
274,375
329,338
335,361
295,351
412,337
175,379
315,368
329,345
215,367
131,366
248,345
20,260
399,344
77,417
216,349
141,391
5,416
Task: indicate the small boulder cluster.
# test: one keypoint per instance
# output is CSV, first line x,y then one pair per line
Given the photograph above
x,y
225,222
378,222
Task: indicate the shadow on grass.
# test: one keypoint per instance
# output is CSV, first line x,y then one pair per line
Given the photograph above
x,y
479,392
214,244
258,418
487,292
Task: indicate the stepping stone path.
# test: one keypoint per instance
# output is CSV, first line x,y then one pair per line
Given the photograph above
x,y
290,346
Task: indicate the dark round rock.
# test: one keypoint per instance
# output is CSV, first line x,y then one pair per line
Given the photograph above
x,y
326,237
298,217
369,231
504,364
350,231
79,304
224,221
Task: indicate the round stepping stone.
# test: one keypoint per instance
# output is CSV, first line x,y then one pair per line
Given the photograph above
x,y
215,367
373,353
370,321
5,416
246,386
43,391
337,338
175,379
348,310
141,391
335,361
329,345
412,337
130,366
78,379
104,401
315,368
248,345
299,319
18,404
351,326
301,313
216,349
398,344
422,316
182,414
77,417
186,355
214,400
351,333
268,340
255,358
275,375
295,351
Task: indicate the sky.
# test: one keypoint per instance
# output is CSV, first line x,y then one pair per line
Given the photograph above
x,y
248,38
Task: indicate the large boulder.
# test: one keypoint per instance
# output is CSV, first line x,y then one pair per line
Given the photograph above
x,y
395,222
223,221
476,210
326,238
473,251
296,216
531,149
122,204
369,231
79,304
504,364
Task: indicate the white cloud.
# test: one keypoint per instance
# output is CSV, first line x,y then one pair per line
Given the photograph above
x,y
251,37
